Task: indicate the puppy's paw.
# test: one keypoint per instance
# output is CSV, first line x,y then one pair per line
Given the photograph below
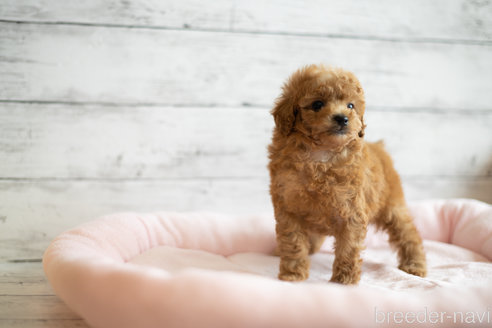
x,y
293,276
346,275
345,279
415,268
294,269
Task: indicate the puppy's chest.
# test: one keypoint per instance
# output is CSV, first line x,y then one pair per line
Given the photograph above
x,y
319,178
322,197
319,188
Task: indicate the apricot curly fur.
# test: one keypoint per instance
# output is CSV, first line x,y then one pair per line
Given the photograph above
x,y
326,180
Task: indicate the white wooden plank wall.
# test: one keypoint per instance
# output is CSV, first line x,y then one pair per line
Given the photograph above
x,y
146,105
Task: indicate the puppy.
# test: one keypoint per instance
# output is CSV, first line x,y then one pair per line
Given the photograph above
x,y
326,180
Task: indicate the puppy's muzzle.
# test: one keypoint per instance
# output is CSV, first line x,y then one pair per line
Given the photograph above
x,y
341,120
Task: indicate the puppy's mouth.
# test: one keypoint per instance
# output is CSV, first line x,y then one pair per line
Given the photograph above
x,y
326,135
338,130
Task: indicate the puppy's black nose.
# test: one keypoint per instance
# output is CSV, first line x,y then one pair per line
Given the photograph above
x,y
342,120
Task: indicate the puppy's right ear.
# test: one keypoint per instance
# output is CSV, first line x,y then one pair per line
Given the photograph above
x,y
284,113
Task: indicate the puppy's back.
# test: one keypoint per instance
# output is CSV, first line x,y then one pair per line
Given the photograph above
x,y
378,155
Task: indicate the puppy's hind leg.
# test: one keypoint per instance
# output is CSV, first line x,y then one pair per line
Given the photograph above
x,y
404,236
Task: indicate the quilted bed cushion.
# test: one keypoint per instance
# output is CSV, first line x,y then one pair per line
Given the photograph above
x,y
208,270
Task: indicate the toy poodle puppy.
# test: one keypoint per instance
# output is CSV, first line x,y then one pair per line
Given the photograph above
x,y
326,180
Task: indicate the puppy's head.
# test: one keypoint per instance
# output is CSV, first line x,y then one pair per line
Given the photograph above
x,y
325,104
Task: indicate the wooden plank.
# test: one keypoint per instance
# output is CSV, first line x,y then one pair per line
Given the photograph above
x,y
124,65
90,142
43,323
424,144
411,19
34,308
446,188
166,14
27,300
23,279
37,211
127,142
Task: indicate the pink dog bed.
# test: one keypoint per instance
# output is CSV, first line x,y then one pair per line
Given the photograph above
x,y
206,270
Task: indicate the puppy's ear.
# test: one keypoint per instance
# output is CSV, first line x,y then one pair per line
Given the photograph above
x,y
361,132
284,113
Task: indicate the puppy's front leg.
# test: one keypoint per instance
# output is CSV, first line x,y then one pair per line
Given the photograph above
x,y
348,244
293,247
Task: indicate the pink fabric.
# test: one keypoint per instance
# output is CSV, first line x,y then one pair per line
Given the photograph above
x,y
208,270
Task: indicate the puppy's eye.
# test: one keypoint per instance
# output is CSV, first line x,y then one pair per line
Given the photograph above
x,y
350,105
317,105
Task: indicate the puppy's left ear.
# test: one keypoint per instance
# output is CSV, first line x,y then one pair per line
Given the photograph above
x,y
361,132
284,113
